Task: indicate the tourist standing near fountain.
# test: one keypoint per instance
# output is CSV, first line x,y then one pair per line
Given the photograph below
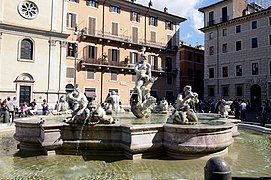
x,y
184,114
141,101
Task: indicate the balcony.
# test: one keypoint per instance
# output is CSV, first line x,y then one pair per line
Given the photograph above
x,y
123,39
224,19
114,65
211,22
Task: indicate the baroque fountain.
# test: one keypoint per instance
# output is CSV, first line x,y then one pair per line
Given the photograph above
x,y
90,130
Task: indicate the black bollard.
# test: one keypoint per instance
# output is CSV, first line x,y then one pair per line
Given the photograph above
x,y
217,168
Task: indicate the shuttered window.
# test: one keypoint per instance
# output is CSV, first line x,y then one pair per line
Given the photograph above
x,y
135,35
71,20
153,36
114,75
115,27
90,73
70,72
91,26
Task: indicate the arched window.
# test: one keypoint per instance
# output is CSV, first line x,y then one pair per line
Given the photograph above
x,y
26,49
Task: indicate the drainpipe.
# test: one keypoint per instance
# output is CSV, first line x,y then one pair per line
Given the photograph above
x,y
102,73
217,59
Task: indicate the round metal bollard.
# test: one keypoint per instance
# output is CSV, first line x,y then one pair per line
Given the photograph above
x,y
217,168
6,117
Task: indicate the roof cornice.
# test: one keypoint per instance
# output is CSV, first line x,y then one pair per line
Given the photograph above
x,y
146,10
238,19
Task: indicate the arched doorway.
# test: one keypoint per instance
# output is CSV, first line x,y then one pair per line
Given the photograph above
x,y
24,87
255,91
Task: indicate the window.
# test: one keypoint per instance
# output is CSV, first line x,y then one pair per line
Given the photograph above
x,y
71,20
69,72
269,67
168,64
153,36
134,57
27,48
224,32
211,18
198,58
254,24
190,74
225,71
153,21
153,60
114,55
91,26
238,29
114,76
72,48
135,35
269,20
114,29
211,72
269,89
169,79
135,16
115,9
169,42
224,48
225,91
224,14
255,69
211,91
90,92
91,53
92,3
238,45
90,73
254,42
211,35
169,25
211,50
111,90
239,90
76,1
239,70
270,39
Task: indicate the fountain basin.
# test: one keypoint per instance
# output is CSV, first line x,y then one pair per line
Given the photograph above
x,y
145,140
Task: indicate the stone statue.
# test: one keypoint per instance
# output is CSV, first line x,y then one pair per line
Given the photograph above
x,y
81,112
141,101
114,101
224,108
184,114
62,107
87,112
162,107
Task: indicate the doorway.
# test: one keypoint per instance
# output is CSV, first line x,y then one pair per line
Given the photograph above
x,y
25,92
255,91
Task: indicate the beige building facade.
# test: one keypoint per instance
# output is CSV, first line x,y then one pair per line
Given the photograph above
x,y
237,52
32,50
105,39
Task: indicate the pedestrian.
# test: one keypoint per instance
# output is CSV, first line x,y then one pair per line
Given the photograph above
x,y
11,109
243,108
45,108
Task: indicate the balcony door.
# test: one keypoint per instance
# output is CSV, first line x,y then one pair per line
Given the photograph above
x,y
91,26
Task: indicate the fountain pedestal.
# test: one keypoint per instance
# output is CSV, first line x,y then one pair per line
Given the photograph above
x,y
176,141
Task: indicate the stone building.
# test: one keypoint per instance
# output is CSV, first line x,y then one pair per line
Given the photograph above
x,y
32,50
192,68
237,55
105,38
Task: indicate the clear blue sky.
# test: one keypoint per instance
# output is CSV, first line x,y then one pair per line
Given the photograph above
x,y
189,10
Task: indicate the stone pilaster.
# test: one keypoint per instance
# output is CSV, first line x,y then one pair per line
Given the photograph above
x,y
62,66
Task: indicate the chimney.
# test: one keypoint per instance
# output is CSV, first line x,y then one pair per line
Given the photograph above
x,y
165,10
